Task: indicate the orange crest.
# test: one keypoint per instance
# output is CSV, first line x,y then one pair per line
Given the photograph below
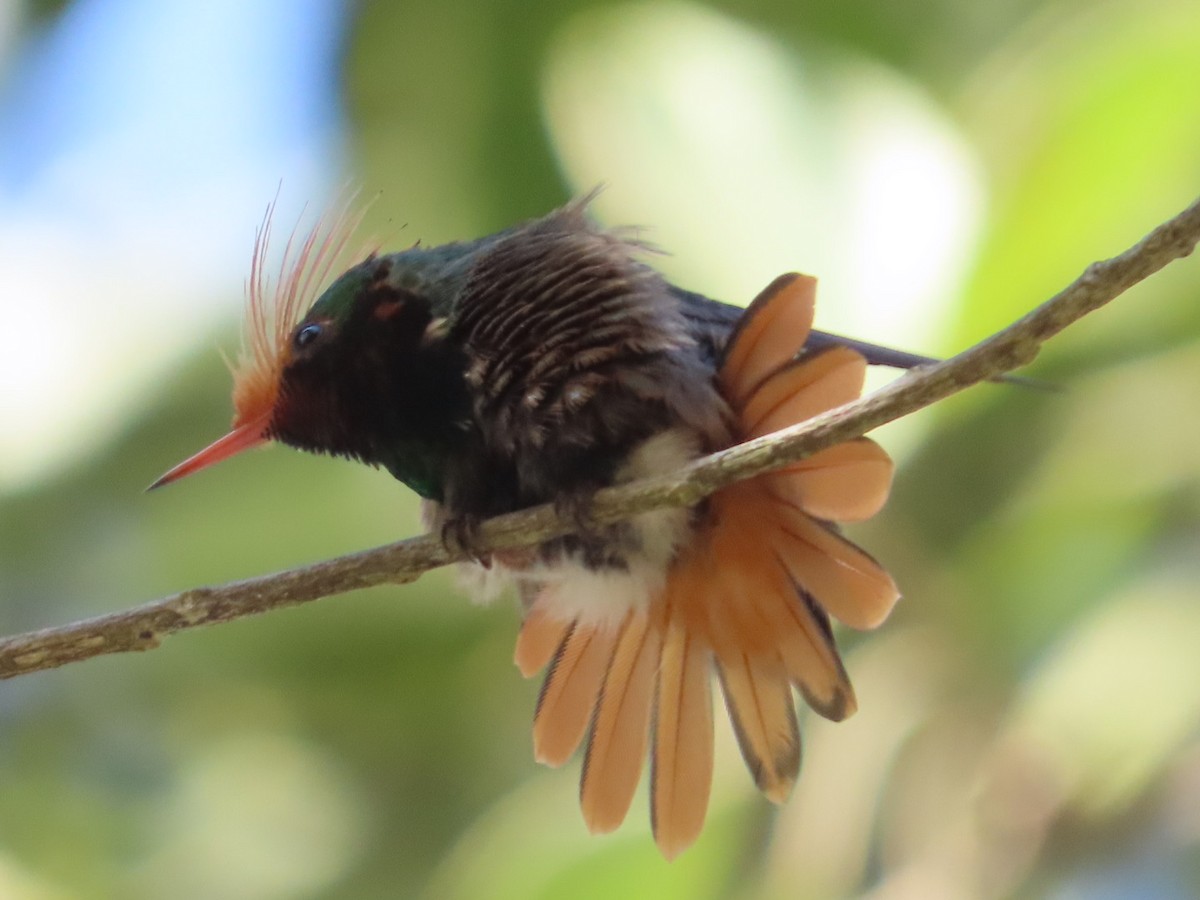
x,y
275,305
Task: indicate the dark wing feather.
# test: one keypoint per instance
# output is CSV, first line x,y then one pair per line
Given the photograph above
x,y
711,322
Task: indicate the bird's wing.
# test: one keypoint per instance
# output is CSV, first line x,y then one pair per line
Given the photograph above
x,y
711,322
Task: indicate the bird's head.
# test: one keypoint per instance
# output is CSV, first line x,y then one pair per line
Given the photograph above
x,y
344,374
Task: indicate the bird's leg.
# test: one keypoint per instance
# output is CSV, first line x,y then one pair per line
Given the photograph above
x,y
574,506
596,546
462,533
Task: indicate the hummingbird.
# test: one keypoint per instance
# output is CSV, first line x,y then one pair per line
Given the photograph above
x,y
543,363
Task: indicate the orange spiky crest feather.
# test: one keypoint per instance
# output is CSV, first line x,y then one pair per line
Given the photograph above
x,y
747,596
275,306
273,309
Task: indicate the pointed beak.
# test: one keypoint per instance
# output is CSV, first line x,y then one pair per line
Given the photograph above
x,y
252,434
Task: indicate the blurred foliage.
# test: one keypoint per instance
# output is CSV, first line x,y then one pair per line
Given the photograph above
x,y
1029,717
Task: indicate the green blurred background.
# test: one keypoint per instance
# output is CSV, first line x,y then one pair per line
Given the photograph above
x,y
1029,716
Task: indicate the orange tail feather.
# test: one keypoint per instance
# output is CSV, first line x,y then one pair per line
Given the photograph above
x,y
759,699
841,576
682,762
845,483
803,389
769,334
539,639
616,749
569,693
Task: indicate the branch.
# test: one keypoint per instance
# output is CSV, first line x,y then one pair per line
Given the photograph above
x,y
144,627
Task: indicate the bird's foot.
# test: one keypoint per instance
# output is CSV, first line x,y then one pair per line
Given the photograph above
x,y
575,507
462,534
595,545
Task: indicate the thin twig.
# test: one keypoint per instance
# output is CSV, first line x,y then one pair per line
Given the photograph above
x,y
144,627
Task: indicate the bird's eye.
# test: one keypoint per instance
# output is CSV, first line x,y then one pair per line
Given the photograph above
x,y
306,335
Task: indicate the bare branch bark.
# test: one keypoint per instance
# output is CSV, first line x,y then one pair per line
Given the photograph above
x,y
144,627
